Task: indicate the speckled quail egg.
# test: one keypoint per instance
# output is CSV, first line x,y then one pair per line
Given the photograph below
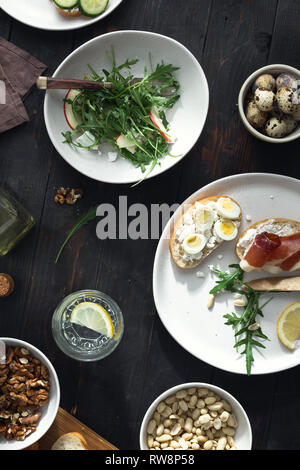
x,y
255,116
285,100
227,208
290,123
276,128
296,114
264,99
225,229
264,81
286,80
194,243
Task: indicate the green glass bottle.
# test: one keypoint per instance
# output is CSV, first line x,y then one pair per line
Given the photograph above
x,y
15,222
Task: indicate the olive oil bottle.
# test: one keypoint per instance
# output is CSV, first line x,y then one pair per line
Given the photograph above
x,y
15,222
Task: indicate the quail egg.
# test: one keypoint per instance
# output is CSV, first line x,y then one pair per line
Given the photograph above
x,y
264,99
255,116
285,100
203,218
276,128
286,80
194,243
264,81
227,208
225,229
290,123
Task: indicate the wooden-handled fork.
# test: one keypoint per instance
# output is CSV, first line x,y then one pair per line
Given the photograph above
x,y
53,83
50,83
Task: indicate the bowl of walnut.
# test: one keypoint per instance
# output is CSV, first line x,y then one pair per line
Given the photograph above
x,y
195,416
29,394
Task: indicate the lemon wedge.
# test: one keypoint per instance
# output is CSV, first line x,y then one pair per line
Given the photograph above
x,y
93,316
288,325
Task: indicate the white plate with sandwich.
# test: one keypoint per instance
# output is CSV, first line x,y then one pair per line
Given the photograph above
x,y
59,15
227,218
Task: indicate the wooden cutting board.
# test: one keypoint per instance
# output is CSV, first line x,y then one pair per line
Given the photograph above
x,y
65,422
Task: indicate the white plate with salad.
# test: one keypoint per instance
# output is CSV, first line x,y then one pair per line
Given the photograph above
x,y
181,295
59,15
137,128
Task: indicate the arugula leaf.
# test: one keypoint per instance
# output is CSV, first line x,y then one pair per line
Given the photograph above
x,y
247,331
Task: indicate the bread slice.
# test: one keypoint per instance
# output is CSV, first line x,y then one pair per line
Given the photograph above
x,y
70,441
280,224
175,246
70,13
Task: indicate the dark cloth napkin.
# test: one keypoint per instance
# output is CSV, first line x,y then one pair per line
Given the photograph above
x,y
18,73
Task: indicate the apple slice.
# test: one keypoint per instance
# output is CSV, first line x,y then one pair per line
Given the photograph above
x,y
124,143
154,116
68,111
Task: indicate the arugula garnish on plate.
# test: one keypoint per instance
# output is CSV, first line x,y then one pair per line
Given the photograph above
x,y
247,330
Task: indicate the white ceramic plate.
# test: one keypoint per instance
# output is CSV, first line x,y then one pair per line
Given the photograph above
x,y
181,297
187,117
42,14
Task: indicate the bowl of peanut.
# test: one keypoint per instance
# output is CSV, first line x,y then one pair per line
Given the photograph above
x,y
195,416
29,394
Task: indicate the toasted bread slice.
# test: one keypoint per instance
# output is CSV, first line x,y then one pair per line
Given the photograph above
x,y
291,227
70,441
74,12
175,246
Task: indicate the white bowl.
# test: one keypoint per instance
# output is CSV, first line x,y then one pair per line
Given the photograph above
x,y
243,436
49,411
274,70
187,116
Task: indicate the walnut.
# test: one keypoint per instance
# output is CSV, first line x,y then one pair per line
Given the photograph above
x,y
59,198
24,387
68,196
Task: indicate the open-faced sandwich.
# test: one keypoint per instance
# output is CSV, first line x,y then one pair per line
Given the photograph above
x,y
74,8
202,228
272,245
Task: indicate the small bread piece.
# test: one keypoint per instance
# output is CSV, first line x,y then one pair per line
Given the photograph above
x,y
283,284
74,12
277,222
174,245
70,441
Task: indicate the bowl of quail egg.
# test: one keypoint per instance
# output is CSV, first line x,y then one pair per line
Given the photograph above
x,y
269,103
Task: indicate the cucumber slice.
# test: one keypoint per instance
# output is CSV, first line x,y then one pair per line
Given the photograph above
x,y
66,4
92,7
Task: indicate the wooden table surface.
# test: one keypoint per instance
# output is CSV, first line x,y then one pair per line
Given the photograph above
x,y
231,39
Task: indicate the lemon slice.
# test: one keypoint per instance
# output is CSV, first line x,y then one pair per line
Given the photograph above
x,y
288,325
93,316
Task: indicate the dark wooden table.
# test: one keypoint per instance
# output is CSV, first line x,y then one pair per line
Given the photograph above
x,y
231,39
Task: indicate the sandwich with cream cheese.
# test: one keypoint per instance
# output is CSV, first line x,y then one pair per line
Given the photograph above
x,y
202,228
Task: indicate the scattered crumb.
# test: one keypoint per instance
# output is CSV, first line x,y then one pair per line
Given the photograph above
x,y
200,274
271,197
248,218
211,267
220,256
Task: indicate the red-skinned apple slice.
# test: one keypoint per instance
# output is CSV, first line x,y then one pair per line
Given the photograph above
x,y
68,111
154,116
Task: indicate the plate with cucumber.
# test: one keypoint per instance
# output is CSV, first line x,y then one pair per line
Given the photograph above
x,y
59,15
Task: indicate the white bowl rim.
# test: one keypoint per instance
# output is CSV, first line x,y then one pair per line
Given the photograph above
x,y
56,398
116,33
223,393
246,85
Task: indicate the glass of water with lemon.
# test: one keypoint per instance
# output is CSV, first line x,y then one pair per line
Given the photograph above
x,y
87,325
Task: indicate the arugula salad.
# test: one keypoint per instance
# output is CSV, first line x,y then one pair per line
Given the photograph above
x,y
130,115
